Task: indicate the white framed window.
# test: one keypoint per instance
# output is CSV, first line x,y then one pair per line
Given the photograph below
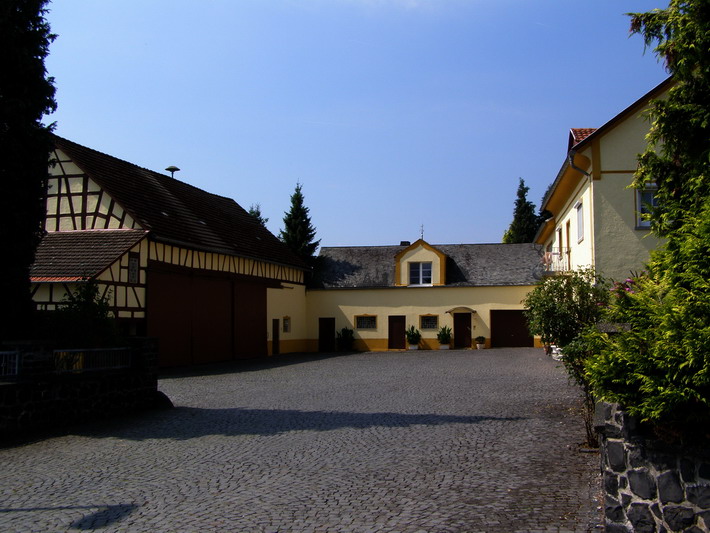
x,y
429,322
420,273
646,201
366,322
580,221
287,324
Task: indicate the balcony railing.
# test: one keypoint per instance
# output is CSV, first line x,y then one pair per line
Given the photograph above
x,y
556,260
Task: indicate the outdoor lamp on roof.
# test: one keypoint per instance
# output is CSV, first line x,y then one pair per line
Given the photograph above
x,y
172,169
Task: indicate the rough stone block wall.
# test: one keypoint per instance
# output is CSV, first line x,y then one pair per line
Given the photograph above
x,y
44,400
650,487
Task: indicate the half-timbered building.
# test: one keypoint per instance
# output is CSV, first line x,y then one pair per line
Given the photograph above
x,y
175,262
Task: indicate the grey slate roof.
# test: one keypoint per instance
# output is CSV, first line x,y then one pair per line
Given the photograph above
x,y
468,265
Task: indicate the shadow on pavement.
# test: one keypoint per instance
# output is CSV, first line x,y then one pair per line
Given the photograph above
x,y
189,422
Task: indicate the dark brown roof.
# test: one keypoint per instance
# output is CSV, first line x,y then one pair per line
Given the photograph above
x,y
73,255
467,265
178,213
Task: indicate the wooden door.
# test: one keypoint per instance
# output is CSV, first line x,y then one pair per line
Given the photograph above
x,y
275,337
396,326
326,334
462,330
509,329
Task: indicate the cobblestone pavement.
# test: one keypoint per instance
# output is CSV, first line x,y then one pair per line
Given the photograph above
x,y
460,441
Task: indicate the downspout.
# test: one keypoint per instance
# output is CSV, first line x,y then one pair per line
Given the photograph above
x,y
570,160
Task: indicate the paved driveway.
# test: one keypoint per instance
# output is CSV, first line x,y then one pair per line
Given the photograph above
x,y
410,442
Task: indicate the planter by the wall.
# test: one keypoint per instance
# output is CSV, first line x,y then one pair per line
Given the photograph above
x,y
412,347
444,346
480,346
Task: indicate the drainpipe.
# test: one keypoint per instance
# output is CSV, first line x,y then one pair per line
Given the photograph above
x,y
570,160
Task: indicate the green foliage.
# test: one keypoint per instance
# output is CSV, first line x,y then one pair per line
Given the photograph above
x,y
560,307
26,95
255,211
83,319
444,335
345,339
480,339
413,335
525,222
659,368
298,232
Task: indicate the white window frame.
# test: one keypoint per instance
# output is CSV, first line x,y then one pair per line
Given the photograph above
x,y
417,274
580,221
641,222
366,323
434,318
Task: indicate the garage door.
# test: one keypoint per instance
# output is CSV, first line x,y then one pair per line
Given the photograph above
x,y
509,329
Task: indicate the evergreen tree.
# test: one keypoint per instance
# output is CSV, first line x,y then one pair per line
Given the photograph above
x,y
298,232
255,211
525,222
26,95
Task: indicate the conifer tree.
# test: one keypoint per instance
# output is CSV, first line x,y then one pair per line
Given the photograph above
x,y
255,211
26,95
525,222
298,232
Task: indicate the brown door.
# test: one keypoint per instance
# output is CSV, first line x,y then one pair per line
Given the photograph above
x,y
509,329
396,326
462,330
250,322
275,337
326,334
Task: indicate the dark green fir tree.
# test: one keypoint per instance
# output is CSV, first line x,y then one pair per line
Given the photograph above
x,y
525,222
26,96
298,232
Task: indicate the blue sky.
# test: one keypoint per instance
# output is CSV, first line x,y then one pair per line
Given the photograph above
x,y
393,114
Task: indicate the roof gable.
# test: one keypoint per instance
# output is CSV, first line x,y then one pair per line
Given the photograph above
x,y
177,213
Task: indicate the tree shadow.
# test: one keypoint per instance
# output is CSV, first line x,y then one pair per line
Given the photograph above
x,y
105,516
183,423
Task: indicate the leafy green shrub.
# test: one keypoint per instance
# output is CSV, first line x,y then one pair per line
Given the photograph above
x,y
560,307
413,335
444,335
659,369
345,340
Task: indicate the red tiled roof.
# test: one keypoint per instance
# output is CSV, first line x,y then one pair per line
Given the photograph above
x,y
73,255
579,134
179,213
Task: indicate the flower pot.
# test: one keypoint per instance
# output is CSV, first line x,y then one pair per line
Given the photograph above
x,y
443,346
413,347
480,346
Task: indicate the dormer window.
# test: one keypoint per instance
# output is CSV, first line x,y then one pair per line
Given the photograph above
x,y
420,273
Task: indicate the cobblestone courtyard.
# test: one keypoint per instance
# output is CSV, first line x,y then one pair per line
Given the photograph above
x,y
460,441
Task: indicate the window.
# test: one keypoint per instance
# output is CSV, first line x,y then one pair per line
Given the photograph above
x,y
287,324
646,201
580,221
429,322
420,273
366,322
133,268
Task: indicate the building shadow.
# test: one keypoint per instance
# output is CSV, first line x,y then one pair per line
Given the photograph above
x,y
106,515
183,423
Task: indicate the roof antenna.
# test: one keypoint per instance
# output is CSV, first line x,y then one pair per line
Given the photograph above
x,y
421,229
172,169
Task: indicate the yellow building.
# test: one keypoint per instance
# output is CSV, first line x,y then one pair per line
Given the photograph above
x,y
191,268
596,218
380,291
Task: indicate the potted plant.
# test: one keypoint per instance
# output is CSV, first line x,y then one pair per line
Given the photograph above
x,y
444,337
480,342
413,337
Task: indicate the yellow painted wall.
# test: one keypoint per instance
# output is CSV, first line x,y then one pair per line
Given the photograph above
x,y
345,305
288,302
421,254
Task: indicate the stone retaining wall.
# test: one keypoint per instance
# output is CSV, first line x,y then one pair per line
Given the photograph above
x,y
41,400
649,486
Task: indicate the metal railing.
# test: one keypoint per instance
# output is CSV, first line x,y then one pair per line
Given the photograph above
x,y
556,260
95,359
9,363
